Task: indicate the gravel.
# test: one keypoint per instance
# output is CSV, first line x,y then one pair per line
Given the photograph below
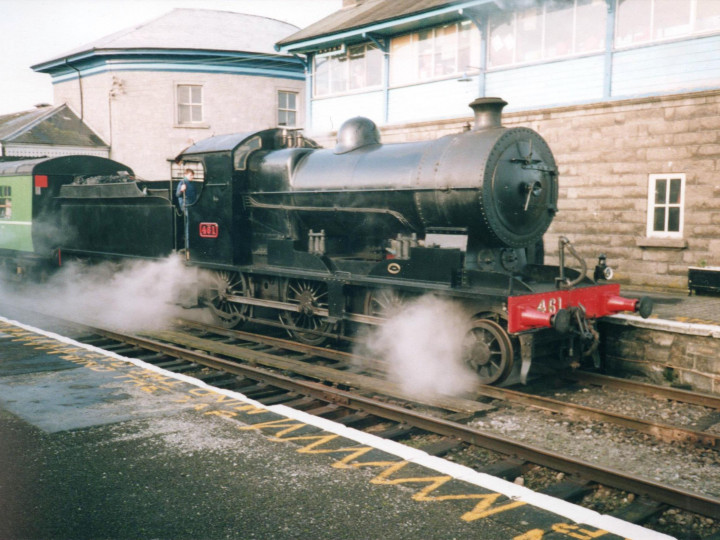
x,y
683,465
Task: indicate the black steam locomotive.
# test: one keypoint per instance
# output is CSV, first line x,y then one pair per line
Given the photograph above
x,y
329,240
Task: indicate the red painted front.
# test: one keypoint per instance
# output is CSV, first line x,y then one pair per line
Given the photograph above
x,y
597,300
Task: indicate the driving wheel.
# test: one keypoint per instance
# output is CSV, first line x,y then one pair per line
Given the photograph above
x,y
225,285
304,325
488,351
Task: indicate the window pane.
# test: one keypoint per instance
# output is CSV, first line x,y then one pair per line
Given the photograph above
x,y
675,184
196,113
445,50
282,118
559,28
659,221
529,35
357,66
673,220
708,15
590,25
671,18
183,94
282,100
425,54
633,22
660,191
322,76
401,60
196,94
291,118
291,100
184,114
502,40
338,73
464,37
373,66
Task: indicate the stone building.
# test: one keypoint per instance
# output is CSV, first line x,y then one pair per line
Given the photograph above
x,y
627,93
152,90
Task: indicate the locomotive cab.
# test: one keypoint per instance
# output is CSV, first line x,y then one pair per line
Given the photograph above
x,y
222,231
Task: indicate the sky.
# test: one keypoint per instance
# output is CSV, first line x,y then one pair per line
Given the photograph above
x,y
33,31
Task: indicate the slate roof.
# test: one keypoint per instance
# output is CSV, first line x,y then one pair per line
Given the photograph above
x,y
191,29
57,126
367,13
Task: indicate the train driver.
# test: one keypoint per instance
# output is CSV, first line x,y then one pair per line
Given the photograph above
x,y
187,194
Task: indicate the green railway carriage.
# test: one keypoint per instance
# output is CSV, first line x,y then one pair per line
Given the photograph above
x,y
30,226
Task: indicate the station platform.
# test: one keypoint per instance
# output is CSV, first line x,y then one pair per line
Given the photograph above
x,y
682,307
94,445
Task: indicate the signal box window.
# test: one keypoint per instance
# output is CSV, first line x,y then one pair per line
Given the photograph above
x,y
189,104
555,29
358,67
287,108
435,53
666,198
645,21
5,202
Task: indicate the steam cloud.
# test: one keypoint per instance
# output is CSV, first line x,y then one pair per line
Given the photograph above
x,y
422,344
130,296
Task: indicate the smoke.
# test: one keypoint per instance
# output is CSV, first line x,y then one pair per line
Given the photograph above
x,y
422,345
131,295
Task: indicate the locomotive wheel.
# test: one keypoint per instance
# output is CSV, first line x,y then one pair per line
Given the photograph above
x,y
383,302
308,295
224,284
489,351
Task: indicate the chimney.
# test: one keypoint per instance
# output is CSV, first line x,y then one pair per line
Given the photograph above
x,y
488,112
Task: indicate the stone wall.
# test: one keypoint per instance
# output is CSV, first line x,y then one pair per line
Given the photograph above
x,y
605,153
666,351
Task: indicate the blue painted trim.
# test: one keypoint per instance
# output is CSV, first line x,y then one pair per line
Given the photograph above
x,y
359,32
190,54
609,48
169,67
308,94
482,24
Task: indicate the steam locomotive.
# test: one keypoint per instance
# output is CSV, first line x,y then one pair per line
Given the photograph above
x,y
325,241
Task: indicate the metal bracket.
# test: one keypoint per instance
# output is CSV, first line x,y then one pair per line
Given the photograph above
x,y
306,61
383,43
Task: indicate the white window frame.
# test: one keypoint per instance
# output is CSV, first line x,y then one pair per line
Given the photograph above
x,y
200,105
652,205
287,109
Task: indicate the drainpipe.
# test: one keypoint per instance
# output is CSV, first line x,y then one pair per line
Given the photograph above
x,y
82,101
609,50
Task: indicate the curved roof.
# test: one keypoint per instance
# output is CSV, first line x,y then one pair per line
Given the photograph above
x,y
192,29
77,164
218,143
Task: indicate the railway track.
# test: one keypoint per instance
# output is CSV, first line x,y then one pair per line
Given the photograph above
x,y
330,386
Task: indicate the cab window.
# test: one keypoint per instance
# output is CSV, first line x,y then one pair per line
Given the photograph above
x,y
243,152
